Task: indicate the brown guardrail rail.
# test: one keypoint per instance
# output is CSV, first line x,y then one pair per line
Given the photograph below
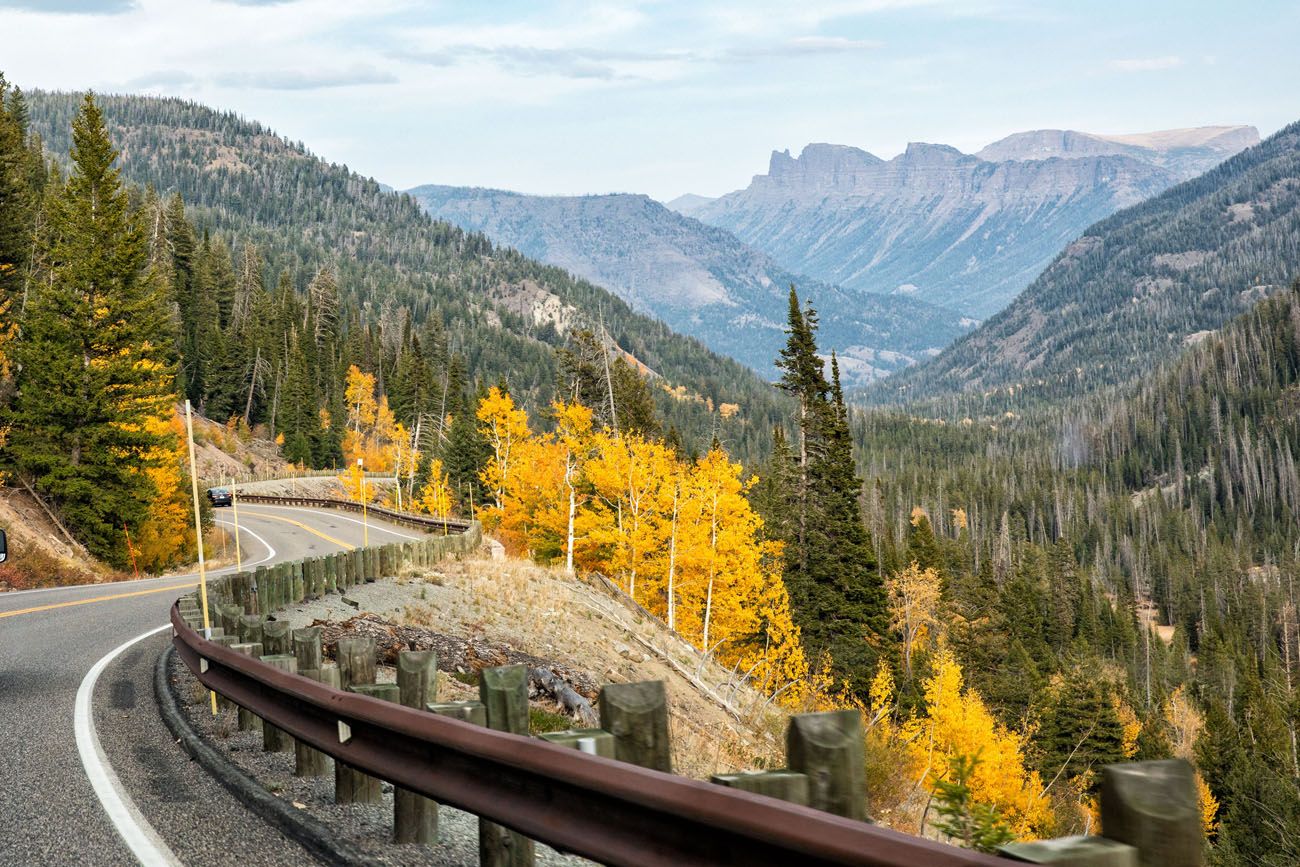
x,y
609,811
423,522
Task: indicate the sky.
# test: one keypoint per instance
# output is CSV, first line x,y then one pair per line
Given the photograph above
x,y
665,96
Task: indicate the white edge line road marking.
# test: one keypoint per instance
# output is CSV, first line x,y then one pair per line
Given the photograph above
x,y
270,552
331,514
135,831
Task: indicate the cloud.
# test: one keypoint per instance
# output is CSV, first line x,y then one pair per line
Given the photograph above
x,y
608,65
163,79
801,46
294,79
1146,64
258,2
71,7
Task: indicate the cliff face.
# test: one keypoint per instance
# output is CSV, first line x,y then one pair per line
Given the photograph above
x,y
967,232
699,279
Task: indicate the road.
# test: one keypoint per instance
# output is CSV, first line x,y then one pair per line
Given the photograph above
x,y
52,800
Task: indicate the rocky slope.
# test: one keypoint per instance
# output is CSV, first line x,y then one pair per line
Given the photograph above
x,y
962,231
1137,288
699,279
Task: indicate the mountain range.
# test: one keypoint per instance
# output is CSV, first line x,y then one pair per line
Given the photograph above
x,y
1136,289
698,279
963,231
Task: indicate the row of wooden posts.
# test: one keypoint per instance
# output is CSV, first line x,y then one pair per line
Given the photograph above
x,y
1149,809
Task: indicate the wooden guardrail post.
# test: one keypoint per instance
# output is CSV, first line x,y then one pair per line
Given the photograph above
x,y
229,615
1073,852
415,817
596,742
504,694
330,567
265,600
295,575
364,789
828,748
276,740
636,714
250,628
276,637
307,760
787,785
356,662
307,649
1152,806
466,711
248,721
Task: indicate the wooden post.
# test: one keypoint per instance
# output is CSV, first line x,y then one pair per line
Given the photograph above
x,y
299,588
415,817
330,566
466,711
504,694
596,742
636,714
307,760
276,637
1152,806
250,628
356,658
307,649
248,721
276,740
786,785
1073,852
230,615
352,786
265,592
828,748
356,663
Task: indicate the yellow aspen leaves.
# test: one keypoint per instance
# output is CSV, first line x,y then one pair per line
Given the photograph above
x,y
680,538
435,496
913,608
956,722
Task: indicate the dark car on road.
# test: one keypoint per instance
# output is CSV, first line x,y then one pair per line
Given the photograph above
x,y
220,496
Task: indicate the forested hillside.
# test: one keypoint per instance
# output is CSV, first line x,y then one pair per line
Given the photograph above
x,y
1136,288
385,271
1117,576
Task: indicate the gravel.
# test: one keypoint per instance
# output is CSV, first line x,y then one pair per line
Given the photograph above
x,y
369,826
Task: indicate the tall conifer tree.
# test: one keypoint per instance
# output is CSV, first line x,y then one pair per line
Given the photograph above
x,y
94,356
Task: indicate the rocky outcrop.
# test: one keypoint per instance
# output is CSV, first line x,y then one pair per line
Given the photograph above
x,y
967,232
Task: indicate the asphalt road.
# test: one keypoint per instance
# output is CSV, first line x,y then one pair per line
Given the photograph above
x,y
50,812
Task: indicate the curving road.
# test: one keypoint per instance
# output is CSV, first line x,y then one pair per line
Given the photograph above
x,y
66,761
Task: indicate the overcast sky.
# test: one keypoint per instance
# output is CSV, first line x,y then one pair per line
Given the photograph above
x,y
671,96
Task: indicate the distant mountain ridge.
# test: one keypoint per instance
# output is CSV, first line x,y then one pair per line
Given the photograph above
x,y
699,279
1137,288
967,232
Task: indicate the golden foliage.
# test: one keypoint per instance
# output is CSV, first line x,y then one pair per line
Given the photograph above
x,y
164,538
914,608
956,722
681,538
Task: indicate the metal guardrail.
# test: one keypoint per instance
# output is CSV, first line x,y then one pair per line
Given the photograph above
x,y
423,522
609,811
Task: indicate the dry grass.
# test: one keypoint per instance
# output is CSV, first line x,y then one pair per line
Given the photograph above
x,y
717,725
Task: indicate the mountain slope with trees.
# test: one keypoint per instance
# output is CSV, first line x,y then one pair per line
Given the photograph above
x,y
699,279
375,257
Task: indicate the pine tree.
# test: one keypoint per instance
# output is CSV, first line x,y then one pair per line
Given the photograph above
x,y
836,593
94,356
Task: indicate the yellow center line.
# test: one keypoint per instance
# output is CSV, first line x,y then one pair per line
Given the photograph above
x,y
328,538
51,607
